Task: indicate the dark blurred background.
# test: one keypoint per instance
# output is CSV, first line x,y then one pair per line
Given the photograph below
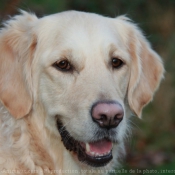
x,y
152,144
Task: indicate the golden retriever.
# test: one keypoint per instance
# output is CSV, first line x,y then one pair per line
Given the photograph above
x,y
68,84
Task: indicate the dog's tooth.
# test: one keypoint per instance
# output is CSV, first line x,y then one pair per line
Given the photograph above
x,y
97,154
87,147
92,153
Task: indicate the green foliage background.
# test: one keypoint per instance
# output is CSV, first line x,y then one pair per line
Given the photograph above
x,y
152,145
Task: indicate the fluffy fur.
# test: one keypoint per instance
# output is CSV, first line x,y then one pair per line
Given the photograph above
x,y
33,92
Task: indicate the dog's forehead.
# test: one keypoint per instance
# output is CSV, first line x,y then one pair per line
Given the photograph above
x,y
79,28
84,34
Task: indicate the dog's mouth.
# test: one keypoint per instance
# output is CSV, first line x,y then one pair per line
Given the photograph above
x,y
96,154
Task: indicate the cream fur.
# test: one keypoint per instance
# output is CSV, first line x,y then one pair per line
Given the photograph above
x,y
32,91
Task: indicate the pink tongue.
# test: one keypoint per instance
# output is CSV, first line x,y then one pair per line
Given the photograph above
x,y
101,147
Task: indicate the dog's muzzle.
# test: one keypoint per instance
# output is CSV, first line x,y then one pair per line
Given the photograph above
x,y
107,115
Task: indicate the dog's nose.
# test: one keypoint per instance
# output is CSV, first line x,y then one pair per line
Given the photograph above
x,y
107,115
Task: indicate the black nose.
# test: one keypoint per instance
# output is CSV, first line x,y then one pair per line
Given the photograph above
x,y
107,114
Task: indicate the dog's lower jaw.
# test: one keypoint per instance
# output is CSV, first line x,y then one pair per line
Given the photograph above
x,y
79,148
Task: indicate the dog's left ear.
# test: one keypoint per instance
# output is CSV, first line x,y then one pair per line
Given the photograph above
x,y
17,45
146,69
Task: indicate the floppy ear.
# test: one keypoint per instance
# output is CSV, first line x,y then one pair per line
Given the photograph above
x,y
17,44
146,71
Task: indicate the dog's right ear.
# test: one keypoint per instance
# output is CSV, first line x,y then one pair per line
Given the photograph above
x,y
17,45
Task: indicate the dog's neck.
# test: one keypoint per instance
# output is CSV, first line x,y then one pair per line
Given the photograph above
x,y
23,144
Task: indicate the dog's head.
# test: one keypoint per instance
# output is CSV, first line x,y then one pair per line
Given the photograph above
x,y
88,73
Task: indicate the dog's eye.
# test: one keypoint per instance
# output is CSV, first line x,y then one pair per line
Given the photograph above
x,y
116,63
63,65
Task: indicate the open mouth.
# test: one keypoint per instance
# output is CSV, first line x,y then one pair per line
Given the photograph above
x,y
96,154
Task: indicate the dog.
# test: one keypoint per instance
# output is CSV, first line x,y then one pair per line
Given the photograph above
x,y
69,82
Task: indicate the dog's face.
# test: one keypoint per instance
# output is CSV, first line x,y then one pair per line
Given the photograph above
x,y
88,73
84,75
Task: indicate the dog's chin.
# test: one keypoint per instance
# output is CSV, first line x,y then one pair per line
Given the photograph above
x,y
95,154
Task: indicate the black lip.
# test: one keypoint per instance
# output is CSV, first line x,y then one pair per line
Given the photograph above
x,y
73,145
98,161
